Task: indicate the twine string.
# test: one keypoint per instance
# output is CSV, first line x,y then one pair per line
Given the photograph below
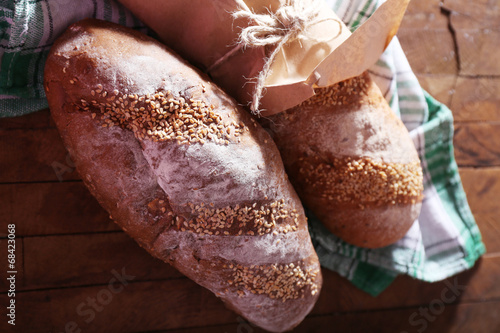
x,y
288,23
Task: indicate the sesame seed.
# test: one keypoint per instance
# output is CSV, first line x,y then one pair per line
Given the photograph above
x,y
241,219
287,282
364,180
336,94
192,120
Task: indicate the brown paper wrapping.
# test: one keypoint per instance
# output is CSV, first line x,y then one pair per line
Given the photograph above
x,y
206,34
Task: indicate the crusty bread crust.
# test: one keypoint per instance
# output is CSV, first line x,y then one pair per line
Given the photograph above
x,y
183,170
352,162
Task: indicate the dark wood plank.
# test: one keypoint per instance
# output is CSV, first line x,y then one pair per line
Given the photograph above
x,y
478,51
5,208
478,283
477,144
39,119
477,36
476,99
52,208
425,14
432,317
435,316
489,225
29,155
176,303
76,260
17,270
173,304
429,51
482,187
473,14
118,307
440,86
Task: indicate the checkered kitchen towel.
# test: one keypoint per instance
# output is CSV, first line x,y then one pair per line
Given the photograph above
x,y
28,29
442,242
445,239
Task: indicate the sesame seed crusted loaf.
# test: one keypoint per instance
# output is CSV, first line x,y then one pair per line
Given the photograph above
x,y
183,170
352,162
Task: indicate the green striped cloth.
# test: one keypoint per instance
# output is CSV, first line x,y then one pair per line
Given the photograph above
x,y
28,29
443,241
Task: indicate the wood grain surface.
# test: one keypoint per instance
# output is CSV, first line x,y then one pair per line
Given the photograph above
x,y
78,272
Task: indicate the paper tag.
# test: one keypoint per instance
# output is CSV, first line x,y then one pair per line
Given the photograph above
x,y
351,55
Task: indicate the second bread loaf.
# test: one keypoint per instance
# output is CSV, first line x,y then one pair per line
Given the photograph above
x,y
352,162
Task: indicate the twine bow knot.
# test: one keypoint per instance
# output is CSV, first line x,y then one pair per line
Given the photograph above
x,y
273,28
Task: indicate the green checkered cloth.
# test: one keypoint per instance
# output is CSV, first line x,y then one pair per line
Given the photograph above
x,y
28,29
443,241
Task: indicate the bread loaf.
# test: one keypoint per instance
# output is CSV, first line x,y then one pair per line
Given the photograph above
x,y
352,162
183,170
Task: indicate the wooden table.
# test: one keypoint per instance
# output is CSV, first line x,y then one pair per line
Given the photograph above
x,y
69,252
